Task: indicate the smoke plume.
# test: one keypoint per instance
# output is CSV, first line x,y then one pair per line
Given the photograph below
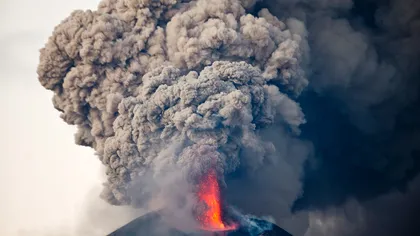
x,y
300,106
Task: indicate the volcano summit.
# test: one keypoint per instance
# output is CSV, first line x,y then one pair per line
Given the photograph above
x,y
151,224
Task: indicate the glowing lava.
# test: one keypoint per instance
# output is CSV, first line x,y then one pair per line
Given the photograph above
x,y
209,193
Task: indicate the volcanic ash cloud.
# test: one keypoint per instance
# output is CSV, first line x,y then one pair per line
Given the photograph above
x,y
158,85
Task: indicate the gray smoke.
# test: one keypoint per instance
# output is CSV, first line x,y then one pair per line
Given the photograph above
x,y
362,112
395,213
363,54
164,90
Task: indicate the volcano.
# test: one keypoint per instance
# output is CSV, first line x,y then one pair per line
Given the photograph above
x,y
151,224
213,219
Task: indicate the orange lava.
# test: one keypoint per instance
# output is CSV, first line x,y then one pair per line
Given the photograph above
x,y
209,193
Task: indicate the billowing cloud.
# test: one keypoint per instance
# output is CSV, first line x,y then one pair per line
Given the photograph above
x,y
296,104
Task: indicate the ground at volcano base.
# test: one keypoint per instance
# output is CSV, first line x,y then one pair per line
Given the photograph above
x,y
151,225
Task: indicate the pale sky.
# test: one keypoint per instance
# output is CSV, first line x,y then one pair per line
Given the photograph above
x,y
48,184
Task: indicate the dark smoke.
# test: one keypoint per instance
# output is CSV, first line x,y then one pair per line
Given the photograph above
x,y
362,109
303,106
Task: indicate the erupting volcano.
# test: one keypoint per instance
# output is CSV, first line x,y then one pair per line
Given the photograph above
x,y
209,194
179,96
211,218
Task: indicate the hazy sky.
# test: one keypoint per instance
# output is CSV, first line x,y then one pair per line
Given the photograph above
x,y
46,180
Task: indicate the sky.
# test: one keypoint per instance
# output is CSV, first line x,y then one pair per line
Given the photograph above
x,y
48,185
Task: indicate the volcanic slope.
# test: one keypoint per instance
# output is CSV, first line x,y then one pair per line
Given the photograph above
x,y
151,224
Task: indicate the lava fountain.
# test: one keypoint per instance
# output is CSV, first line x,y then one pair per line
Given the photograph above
x,y
209,193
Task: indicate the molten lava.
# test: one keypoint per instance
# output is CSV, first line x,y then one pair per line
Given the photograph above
x,y
209,194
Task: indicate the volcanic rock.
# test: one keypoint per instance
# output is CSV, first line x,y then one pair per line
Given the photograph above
x,y
151,225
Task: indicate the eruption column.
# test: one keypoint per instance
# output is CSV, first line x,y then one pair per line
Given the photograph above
x,y
209,193
158,87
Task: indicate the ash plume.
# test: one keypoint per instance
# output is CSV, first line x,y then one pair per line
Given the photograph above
x,y
302,107
173,87
361,107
